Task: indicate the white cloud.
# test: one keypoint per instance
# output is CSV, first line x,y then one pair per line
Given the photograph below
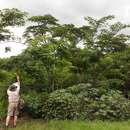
x,y
16,48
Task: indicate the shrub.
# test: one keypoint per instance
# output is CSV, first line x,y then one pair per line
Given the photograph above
x,y
34,103
82,101
3,109
61,105
111,105
79,102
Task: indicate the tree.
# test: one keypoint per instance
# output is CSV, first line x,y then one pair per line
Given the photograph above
x,y
8,18
42,25
69,32
100,34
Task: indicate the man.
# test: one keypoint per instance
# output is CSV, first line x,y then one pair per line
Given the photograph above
x,y
13,99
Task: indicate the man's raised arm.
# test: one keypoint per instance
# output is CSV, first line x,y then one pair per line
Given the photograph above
x,y
18,80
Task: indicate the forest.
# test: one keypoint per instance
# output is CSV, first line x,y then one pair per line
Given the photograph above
x,y
68,71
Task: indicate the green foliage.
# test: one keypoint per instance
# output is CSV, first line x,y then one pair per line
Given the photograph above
x,y
79,102
10,17
34,103
100,34
42,25
60,105
3,109
94,59
99,103
113,105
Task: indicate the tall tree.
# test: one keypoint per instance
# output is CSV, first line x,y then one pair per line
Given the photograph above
x,y
41,25
104,35
8,18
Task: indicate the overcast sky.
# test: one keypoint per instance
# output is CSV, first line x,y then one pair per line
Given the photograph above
x,y
72,11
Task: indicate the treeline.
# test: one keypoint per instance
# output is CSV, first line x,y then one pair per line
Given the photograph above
x,y
92,60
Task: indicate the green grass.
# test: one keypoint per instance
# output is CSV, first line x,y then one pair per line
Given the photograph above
x,y
72,125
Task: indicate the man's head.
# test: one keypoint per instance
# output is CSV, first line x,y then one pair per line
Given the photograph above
x,y
12,88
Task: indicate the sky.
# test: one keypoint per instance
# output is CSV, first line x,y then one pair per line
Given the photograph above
x,y
14,50
70,11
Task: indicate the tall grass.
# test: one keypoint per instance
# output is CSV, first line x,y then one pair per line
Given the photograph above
x,y
73,125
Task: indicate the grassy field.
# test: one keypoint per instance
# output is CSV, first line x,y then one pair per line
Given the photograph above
x,y
72,125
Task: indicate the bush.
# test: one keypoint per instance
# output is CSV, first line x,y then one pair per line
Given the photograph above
x,y
82,101
116,84
3,109
61,105
34,103
79,102
111,105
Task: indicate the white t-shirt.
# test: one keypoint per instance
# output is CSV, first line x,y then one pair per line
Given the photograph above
x,y
13,96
